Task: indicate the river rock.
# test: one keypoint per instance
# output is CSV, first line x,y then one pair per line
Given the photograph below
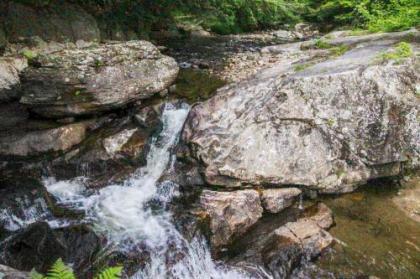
x,y
329,127
10,68
231,213
38,246
275,200
79,81
32,143
11,273
57,21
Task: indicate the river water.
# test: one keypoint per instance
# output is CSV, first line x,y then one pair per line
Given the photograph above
x,y
125,215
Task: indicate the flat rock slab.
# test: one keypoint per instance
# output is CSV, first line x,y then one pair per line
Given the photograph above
x,y
41,141
79,81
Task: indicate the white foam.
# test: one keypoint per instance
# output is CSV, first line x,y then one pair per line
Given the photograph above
x,y
123,212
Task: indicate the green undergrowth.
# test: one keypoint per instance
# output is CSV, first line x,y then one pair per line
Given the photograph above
x,y
59,270
401,51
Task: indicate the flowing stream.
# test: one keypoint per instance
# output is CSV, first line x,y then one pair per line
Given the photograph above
x,y
123,212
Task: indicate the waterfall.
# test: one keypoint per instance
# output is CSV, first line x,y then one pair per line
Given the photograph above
x,y
122,212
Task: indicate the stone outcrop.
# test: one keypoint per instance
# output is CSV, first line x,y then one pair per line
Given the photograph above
x,y
330,126
295,242
32,143
91,79
10,68
231,214
58,21
275,200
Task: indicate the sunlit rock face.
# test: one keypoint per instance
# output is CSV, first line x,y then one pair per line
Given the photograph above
x,y
329,127
78,81
231,214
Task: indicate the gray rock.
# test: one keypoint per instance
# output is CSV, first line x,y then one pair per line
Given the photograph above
x,y
275,200
32,143
79,81
11,273
10,68
59,21
330,127
231,213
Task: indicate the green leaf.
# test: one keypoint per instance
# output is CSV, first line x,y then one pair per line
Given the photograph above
x,y
59,270
110,273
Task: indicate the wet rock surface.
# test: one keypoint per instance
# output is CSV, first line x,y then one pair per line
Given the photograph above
x,y
231,214
38,246
299,238
330,127
79,81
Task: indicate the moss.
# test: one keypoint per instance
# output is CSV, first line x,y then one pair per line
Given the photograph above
x,y
29,54
401,51
301,67
196,85
339,50
321,44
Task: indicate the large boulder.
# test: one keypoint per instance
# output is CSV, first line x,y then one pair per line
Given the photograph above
x,y
330,126
57,21
231,214
91,79
10,68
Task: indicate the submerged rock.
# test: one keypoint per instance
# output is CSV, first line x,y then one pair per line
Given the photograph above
x,y
275,200
79,81
231,214
10,69
329,127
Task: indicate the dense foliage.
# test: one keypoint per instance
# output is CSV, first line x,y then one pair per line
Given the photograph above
x,y
234,16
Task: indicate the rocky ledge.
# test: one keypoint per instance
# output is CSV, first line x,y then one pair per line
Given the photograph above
x,y
321,119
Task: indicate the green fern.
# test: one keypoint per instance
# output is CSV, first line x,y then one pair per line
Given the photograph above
x,y
110,273
59,270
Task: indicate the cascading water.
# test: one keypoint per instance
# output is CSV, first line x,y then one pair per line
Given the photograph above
x,y
124,215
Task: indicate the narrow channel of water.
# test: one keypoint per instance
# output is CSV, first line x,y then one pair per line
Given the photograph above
x,y
123,213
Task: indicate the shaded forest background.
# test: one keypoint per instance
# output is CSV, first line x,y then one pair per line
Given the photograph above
x,y
236,16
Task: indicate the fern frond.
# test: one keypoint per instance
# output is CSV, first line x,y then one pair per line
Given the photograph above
x,y
36,275
59,270
110,273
